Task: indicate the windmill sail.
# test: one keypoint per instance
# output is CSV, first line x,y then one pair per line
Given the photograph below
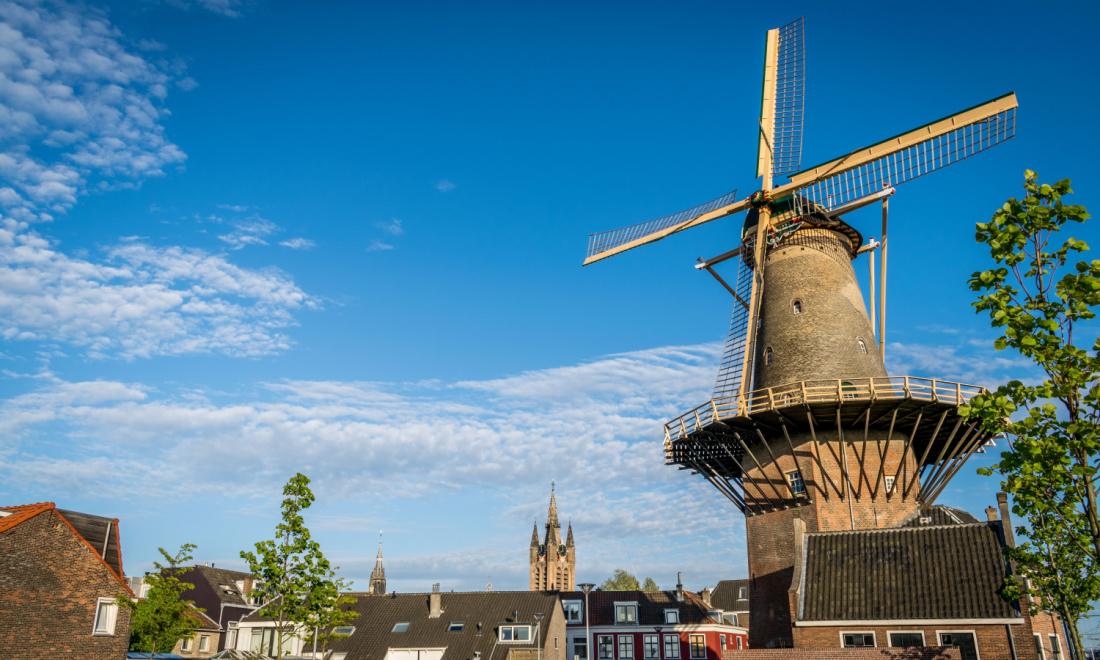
x,y
790,92
609,243
728,384
908,156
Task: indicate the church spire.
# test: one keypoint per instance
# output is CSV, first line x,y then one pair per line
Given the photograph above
x,y
569,538
552,519
378,575
535,536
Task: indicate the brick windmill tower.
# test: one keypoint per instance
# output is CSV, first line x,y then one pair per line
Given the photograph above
x,y
806,431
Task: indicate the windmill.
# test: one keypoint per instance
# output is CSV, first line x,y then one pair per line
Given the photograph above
x,y
803,415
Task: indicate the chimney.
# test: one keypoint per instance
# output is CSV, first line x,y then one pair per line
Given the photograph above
x,y
435,602
705,595
246,588
679,587
1006,519
991,514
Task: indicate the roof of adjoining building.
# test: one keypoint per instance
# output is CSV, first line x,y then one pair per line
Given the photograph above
x,y
230,593
651,606
488,609
930,572
935,515
726,596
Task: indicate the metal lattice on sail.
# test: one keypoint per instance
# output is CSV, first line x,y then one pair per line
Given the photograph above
x,y
609,240
790,92
729,374
906,164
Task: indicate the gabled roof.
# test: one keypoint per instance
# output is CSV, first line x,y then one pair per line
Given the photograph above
x,y
377,615
215,578
99,534
936,514
205,622
726,596
907,573
651,606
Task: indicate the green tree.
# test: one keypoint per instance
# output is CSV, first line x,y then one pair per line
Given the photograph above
x,y
622,580
327,611
292,573
1053,454
161,619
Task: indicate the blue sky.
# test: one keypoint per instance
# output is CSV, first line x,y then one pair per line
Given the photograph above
x,y
243,239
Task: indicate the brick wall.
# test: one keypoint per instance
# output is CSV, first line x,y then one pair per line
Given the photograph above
x,y
926,653
992,640
50,581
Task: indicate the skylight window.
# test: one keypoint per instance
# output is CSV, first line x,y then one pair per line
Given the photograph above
x,y
343,630
400,627
456,626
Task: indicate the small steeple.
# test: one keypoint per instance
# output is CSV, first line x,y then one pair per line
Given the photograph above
x,y
552,519
569,538
378,575
535,536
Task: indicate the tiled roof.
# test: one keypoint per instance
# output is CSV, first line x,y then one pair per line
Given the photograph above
x,y
21,512
205,622
377,615
215,577
725,596
651,606
942,572
935,515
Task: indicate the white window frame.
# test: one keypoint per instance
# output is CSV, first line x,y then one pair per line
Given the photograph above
x,y
794,476
112,617
579,641
513,628
621,651
579,605
742,593
674,614
722,641
1039,646
1055,647
676,645
890,642
349,633
874,640
599,647
972,632
738,642
656,640
630,605
691,647
204,643
185,644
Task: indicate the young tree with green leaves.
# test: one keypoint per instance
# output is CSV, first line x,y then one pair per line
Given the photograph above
x,y
327,610
292,573
622,580
1051,466
161,619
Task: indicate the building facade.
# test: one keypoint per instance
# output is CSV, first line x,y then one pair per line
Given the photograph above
x,y
553,562
647,625
60,572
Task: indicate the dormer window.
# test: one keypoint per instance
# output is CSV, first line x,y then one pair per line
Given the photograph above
x,y
573,610
626,614
742,593
672,616
520,633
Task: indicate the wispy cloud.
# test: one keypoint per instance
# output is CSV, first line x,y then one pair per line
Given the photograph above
x,y
250,231
392,227
233,207
377,245
141,300
298,243
68,83
443,185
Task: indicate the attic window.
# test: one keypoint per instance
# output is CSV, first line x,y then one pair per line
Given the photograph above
x,y
742,592
456,626
672,616
515,633
343,630
400,627
228,589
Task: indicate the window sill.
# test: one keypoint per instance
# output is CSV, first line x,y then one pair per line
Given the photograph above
x,y
95,634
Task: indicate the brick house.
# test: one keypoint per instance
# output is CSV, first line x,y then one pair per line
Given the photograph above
x,y
648,625
731,597
932,580
484,625
204,642
60,572
225,596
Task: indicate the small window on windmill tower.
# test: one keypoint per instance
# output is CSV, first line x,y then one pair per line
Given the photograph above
x,y
768,355
796,306
862,345
848,390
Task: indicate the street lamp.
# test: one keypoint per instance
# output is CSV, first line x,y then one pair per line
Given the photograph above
x,y
538,641
587,588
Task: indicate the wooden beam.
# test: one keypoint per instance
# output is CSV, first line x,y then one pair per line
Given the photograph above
x,y
775,462
820,464
765,143
745,475
937,466
797,467
882,454
719,259
924,456
978,441
905,450
761,468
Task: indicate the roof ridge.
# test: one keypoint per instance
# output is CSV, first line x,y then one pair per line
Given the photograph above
x,y
23,512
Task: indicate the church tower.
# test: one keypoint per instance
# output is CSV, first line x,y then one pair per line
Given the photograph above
x,y
378,575
553,561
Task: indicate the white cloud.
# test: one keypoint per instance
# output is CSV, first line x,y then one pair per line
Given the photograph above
x,y
250,231
233,207
68,83
377,245
230,8
298,244
978,365
445,186
392,227
142,300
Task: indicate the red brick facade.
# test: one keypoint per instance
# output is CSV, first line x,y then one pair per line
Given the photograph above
x,y
50,583
927,653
